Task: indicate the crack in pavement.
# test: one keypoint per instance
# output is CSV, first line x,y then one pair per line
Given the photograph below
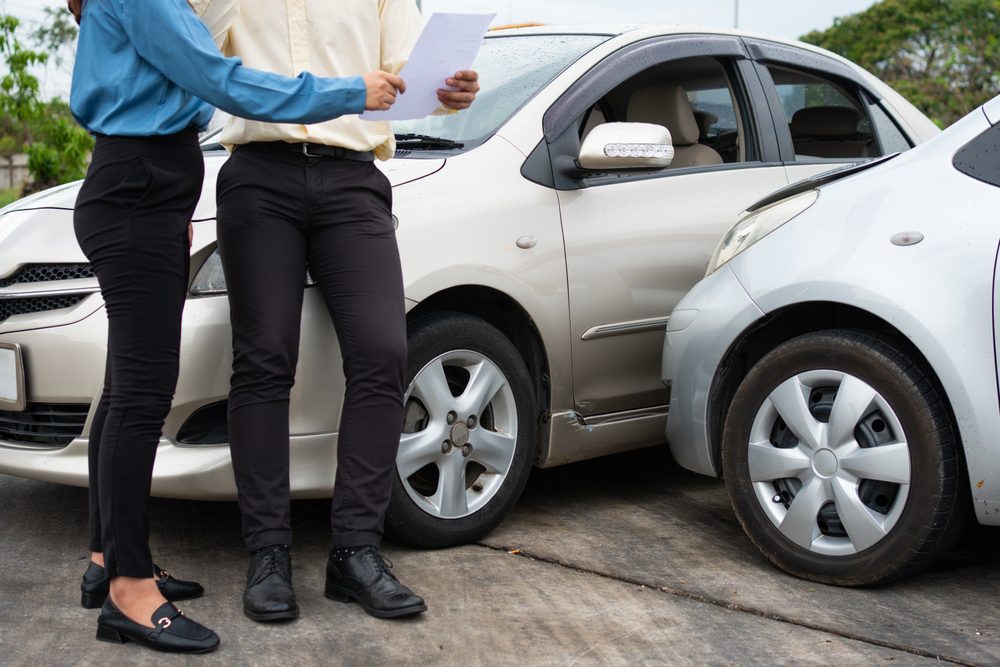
x,y
726,604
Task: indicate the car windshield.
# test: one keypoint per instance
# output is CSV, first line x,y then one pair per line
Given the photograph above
x,y
511,71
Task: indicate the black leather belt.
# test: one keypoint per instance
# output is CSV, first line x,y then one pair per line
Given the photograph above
x,y
308,150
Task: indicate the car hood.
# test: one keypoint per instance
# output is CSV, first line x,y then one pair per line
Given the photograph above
x,y
63,196
406,170
398,171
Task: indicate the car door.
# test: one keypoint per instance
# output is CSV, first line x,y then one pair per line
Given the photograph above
x,y
824,114
637,241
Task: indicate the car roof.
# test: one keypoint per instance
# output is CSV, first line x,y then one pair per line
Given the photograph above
x,y
635,32
626,33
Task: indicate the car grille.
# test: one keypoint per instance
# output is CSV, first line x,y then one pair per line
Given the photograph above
x,y
44,425
44,273
23,306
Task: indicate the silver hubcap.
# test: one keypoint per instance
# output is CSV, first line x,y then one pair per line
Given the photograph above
x,y
459,434
829,462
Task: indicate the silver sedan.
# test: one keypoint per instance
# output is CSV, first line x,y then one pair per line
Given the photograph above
x,y
838,363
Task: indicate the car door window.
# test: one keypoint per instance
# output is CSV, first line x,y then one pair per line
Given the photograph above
x,y
978,158
695,99
826,119
890,138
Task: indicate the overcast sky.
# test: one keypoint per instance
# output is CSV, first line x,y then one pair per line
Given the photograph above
x,y
785,18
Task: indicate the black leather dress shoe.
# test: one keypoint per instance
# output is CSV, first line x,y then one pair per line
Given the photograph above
x,y
365,578
269,595
95,586
173,631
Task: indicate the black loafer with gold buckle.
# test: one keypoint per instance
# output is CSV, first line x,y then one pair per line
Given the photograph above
x,y
173,632
95,586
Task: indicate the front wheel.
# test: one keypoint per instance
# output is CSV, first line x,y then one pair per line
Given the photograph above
x,y
469,433
841,460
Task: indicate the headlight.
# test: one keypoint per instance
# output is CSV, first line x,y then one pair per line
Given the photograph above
x,y
210,278
755,226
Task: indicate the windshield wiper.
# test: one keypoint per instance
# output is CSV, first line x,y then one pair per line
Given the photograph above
x,y
425,142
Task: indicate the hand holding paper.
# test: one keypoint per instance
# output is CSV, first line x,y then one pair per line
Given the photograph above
x,y
461,95
448,45
381,90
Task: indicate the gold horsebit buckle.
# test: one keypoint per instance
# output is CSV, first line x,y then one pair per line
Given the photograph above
x,y
167,622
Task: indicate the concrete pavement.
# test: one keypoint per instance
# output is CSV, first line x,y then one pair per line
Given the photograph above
x,y
627,560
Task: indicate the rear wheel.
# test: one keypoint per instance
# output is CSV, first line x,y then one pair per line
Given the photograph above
x,y
841,461
469,433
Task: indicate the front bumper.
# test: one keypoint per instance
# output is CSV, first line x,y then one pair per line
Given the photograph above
x,y
64,364
701,330
185,472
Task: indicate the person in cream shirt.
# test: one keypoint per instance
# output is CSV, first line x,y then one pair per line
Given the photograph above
x,y
293,197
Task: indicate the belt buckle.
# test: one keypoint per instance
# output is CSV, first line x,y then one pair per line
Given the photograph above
x,y
305,151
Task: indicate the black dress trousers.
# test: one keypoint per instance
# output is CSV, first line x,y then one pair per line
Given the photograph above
x,y
131,220
279,213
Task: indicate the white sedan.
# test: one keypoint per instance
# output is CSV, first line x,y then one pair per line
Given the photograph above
x,y
838,365
546,233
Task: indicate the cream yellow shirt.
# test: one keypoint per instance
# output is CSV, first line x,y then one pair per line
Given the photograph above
x,y
325,37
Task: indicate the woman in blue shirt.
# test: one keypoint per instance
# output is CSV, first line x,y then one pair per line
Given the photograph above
x,y
146,78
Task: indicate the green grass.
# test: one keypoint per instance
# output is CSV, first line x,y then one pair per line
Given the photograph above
x,y
9,195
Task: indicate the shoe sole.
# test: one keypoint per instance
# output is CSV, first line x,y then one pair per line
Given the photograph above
x,y
343,595
112,636
274,616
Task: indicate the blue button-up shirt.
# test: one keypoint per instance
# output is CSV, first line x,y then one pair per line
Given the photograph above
x,y
150,67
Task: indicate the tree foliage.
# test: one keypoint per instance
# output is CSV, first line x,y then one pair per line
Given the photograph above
x,y
57,147
942,55
19,90
60,148
57,35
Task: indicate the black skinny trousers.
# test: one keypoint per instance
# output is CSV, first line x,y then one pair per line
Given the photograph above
x,y
279,214
131,220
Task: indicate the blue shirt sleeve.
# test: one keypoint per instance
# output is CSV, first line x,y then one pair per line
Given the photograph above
x,y
168,35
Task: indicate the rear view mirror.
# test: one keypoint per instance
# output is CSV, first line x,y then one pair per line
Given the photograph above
x,y
627,146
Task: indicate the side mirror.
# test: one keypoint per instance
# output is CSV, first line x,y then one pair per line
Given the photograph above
x,y
626,146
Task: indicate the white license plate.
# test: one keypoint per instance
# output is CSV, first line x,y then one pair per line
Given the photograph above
x,y
12,395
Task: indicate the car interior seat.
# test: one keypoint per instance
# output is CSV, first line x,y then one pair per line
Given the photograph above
x,y
705,120
828,131
669,106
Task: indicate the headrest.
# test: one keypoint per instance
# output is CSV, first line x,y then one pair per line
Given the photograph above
x,y
825,122
665,105
705,120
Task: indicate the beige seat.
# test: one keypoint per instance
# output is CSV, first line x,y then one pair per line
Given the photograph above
x,y
705,120
669,106
828,132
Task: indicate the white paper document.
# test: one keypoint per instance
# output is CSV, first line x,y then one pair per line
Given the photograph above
x,y
448,44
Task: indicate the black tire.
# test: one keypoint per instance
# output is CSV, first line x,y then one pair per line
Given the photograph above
x,y
936,509
429,337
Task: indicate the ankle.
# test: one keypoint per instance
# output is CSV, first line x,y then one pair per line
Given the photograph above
x,y
128,589
97,558
136,598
